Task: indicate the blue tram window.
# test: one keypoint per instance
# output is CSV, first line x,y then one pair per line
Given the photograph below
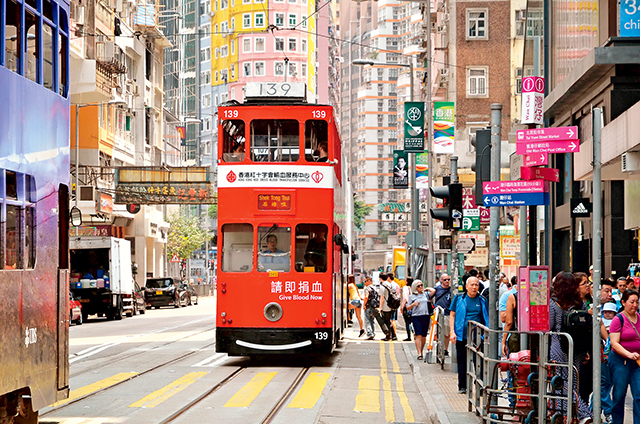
x,y
33,46
47,56
62,63
12,37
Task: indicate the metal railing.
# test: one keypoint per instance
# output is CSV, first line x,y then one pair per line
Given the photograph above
x,y
524,387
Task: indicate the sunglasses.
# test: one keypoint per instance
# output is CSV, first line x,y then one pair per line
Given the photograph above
x,y
419,285
446,279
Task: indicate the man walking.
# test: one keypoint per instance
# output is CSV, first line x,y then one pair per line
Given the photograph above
x,y
442,298
388,286
469,306
372,309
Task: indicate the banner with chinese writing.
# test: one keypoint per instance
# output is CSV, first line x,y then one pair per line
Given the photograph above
x,y
161,192
400,169
443,127
413,126
422,170
532,100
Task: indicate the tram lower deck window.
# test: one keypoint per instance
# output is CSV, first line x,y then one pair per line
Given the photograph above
x,y
311,248
274,252
18,231
237,247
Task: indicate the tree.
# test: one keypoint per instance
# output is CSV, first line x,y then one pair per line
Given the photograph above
x,y
185,235
213,209
360,211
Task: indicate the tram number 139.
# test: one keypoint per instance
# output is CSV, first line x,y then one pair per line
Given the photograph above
x,y
322,335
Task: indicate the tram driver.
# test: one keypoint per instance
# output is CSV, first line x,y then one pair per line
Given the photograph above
x,y
273,258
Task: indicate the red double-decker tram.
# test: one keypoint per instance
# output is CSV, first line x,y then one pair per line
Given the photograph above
x,y
281,287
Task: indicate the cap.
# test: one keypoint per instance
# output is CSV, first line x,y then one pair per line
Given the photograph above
x,y
609,306
591,268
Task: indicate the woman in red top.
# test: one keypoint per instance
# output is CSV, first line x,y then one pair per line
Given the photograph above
x,y
625,355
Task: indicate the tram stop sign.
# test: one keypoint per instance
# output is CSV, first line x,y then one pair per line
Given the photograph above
x,y
414,238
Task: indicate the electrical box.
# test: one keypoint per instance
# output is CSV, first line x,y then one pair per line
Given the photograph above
x,y
534,298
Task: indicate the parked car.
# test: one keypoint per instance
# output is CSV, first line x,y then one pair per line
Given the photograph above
x,y
165,291
192,294
139,303
75,311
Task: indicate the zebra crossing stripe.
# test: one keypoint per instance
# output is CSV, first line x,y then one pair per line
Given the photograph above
x,y
368,397
159,396
250,391
311,390
99,385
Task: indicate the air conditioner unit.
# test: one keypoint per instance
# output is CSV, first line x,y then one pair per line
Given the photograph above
x,y
79,15
87,194
631,162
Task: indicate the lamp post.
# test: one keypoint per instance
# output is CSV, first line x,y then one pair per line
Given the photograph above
x,y
415,195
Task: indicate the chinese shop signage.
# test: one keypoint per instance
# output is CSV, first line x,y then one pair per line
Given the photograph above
x,y
176,193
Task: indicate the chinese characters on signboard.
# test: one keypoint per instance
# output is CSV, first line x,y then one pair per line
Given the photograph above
x,y
443,127
149,193
532,100
413,126
297,290
274,202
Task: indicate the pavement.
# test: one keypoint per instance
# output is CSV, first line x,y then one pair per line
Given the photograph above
x,y
437,387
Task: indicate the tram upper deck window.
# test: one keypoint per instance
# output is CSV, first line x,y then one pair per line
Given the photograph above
x,y
12,37
316,137
33,45
237,247
233,141
274,252
311,248
275,140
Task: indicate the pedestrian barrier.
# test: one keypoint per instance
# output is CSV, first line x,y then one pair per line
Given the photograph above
x,y
510,389
435,338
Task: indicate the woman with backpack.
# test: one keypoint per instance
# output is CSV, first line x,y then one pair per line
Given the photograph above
x,y
566,297
418,305
624,359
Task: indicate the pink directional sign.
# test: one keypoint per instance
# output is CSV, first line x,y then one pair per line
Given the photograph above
x,y
511,187
536,160
547,174
572,146
547,134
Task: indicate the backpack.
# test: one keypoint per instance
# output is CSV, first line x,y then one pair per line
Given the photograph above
x,y
393,300
578,324
374,298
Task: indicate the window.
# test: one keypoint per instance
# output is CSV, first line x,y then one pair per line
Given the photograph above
x,y
224,51
303,21
216,53
246,1
20,221
311,248
205,77
205,54
293,44
293,20
233,141
275,140
279,19
206,100
477,82
274,246
224,4
246,45
316,133
233,47
303,70
278,69
13,37
47,57
259,69
32,24
259,44
259,20
521,18
535,23
518,77
246,69
303,45
477,24
246,20
237,247
279,41
293,69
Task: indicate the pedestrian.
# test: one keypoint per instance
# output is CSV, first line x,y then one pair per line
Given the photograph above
x,y
465,307
419,307
621,286
505,284
388,286
355,303
442,298
624,358
565,295
372,309
584,288
406,315
502,304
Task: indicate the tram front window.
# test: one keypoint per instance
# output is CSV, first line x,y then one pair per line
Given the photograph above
x,y
237,247
275,140
233,142
316,134
274,252
311,248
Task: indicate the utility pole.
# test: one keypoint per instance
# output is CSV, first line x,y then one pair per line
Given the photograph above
x,y
494,239
454,233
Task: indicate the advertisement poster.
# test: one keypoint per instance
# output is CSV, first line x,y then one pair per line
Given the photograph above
x,y
510,247
422,170
400,169
443,127
413,126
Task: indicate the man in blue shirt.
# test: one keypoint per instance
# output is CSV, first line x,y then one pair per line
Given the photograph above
x,y
469,306
272,256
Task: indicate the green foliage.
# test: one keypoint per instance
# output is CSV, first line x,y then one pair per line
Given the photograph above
x,y
185,235
213,210
383,236
360,211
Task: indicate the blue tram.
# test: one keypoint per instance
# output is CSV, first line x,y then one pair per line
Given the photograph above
x,y
34,199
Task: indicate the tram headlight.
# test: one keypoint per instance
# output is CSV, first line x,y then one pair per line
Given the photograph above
x,y
273,312
324,315
223,314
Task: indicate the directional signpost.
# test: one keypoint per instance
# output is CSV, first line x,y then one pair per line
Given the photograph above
x,y
471,220
547,174
466,245
527,148
539,159
547,134
515,193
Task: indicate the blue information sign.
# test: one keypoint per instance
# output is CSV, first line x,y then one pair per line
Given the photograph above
x,y
515,199
629,18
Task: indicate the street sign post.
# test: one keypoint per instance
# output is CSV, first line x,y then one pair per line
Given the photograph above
x,y
547,174
466,245
532,100
515,163
566,146
516,199
471,220
547,134
539,159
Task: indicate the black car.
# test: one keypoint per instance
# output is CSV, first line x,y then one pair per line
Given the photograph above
x,y
165,291
192,294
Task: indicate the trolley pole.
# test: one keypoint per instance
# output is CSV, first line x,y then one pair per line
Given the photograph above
x,y
494,243
597,259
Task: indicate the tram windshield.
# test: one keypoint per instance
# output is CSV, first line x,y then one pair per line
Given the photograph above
x,y
233,140
237,247
274,252
311,248
275,140
316,134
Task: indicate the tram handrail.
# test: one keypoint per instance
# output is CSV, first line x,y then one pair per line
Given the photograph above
x,y
482,388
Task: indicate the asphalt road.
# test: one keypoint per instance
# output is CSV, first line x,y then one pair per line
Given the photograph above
x,y
162,367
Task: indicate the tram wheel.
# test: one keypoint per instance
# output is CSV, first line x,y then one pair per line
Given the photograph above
x,y
26,414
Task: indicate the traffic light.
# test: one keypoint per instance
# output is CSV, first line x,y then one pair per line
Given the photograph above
x,y
451,213
482,143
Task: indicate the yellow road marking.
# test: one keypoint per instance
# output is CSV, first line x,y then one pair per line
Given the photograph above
x,y
159,396
107,382
389,413
250,391
311,390
368,397
404,400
